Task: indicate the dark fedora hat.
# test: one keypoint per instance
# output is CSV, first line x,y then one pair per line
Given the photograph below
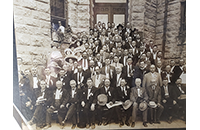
x,y
143,106
119,26
73,57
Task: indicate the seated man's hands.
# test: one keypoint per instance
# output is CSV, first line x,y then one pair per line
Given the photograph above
x,y
110,103
164,101
82,103
67,105
61,106
92,107
52,107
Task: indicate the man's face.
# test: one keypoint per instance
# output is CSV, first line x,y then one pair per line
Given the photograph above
x,y
130,51
42,84
109,25
113,25
172,62
152,68
79,69
125,52
129,61
89,83
133,43
26,72
123,83
34,71
148,54
86,46
159,64
142,64
73,84
59,84
168,68
137,82
116,59
107,82
107,62
84,55
129,39
155,48
181,62
97,70
62,72
91,63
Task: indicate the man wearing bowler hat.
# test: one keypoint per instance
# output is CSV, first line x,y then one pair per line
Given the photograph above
x,y
106,95
139,98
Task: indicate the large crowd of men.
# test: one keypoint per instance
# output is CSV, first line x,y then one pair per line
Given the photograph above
x,y
109,75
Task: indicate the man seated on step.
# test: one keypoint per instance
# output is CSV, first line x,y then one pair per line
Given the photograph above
x,y
73,105
58,103
139,98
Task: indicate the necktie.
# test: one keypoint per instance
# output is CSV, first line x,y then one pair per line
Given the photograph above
x,y
84,63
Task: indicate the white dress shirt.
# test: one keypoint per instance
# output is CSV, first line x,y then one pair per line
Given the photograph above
x,y
35,81
58,93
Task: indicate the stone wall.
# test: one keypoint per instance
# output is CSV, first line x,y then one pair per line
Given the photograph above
x,y
32,30
136,9
160,22
79,15
168,27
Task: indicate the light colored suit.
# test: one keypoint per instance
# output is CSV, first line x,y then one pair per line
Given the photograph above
x,y
95,82
149,76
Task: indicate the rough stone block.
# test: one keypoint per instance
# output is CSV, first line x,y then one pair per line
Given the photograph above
x,y
20,11
45,24
160,22
160,16
72,7
174,7
138,9
137,16
44,7
150,22
136,24
173,19
83,8
31,22
20,28
41,16
44,1
83,16
138,2
84,2
23,39
29,4
159,29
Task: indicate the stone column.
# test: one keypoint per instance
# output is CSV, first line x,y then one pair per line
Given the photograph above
x,y
79,15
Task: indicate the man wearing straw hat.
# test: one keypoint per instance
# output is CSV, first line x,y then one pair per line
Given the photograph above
x,y
139,98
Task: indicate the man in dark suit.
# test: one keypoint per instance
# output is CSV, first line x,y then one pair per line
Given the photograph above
x,y
73,105
88,100
104,110
108,70
139,72
123,94
178,69
159,67
128,71
154,94
167,74
138,95
167,98
80,77
65,77
179,94
43,99
50,80
59,100
84,62
117,77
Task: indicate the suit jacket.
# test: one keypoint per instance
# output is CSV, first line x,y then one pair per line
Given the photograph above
x,y
134,94
148,77
84,77
76,98
111,71
177,72
64,97
170,97
114,82
164,75
177,92
47,95
125,71
111,93
102,78
81,61
92,95
138,73
52,82
122,95
117,65
66,80
154,95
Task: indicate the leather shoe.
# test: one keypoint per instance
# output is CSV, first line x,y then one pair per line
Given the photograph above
x,y
145,124
48,126
105,123
127,123
87,126
151,122
92,126
73,126
133,124
121,123
99,123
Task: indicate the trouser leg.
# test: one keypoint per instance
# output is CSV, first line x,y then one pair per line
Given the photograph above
x,y
71,111
159,112
134,112
118,112
144,114
48,115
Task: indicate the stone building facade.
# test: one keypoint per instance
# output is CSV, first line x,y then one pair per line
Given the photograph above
x,y
159,20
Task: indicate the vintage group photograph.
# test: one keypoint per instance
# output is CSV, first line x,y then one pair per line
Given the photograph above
x,y
100,64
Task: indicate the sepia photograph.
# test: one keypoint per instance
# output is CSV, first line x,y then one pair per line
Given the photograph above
x,y
99,64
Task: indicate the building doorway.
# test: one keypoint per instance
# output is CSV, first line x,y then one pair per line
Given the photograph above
x,y
110,11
